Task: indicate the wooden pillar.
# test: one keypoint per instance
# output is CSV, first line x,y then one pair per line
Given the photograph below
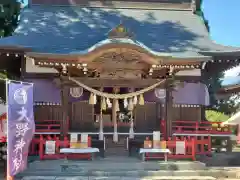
x,y
101,135
203,113
114,119
64,104
168,110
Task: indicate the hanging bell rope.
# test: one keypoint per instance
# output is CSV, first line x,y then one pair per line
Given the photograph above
x,y
116,96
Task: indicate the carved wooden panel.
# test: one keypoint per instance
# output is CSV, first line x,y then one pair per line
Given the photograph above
x,y
121,74
119,65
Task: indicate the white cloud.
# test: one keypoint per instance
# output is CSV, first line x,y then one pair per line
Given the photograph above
x,y
232,72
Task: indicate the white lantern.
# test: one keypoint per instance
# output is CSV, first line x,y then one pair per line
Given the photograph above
x,y
76,92
160,93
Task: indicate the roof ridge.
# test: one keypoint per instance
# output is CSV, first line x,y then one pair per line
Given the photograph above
x,y
96,7
125,5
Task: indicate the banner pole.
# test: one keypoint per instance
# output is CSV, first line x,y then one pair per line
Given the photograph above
x,y
8,159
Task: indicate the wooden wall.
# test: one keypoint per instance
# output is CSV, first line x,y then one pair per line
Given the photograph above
x,y
146,118
47,112
186,113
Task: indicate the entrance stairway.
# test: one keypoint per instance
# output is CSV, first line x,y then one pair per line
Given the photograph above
x,y
116,149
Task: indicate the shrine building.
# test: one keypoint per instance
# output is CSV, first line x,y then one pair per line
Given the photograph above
x,y
115,67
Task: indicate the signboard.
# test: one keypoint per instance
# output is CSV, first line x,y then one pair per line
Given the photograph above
x,y
180,147
84,138
21,125
74,137
156,135
50,147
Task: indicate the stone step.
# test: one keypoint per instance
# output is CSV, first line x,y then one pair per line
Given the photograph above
x,y
116,163
115,146
113,153
118,178
133,174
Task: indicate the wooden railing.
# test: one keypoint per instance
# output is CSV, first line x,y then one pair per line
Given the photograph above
x,y
195,127
50,125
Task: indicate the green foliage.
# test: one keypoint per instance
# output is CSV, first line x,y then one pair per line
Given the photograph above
x,y
200,13
9,16
215,116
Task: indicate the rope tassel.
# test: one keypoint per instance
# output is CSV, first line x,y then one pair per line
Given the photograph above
x,y
104,105
130,104
109,104
125,102
141,99
135,100
91,99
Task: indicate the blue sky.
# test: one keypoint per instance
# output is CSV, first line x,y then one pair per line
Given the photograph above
x,y
224,21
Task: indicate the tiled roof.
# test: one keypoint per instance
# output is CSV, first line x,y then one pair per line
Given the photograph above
x,y
65,29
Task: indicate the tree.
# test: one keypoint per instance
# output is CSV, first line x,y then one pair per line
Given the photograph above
x,y
200,13
213,74
215,116
9,18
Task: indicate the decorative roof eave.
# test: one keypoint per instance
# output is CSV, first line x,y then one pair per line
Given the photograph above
x,y
100,49
221,50
221,53
14,48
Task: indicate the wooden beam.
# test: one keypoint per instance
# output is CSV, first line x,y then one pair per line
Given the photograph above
x,y
97,82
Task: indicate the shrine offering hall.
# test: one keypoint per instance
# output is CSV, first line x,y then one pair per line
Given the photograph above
x,y
116,73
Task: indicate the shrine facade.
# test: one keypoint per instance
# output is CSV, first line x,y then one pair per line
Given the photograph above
x,y
131,68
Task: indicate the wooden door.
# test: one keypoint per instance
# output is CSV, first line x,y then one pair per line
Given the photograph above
x,y
147,117
82,117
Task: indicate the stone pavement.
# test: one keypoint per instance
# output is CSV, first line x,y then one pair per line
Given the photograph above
x,y
124,178
124,168
119,178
